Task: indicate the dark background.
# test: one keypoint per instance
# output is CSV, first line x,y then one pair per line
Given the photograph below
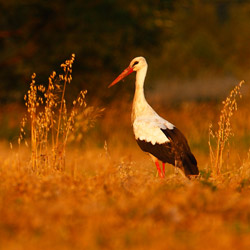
x,y
181,40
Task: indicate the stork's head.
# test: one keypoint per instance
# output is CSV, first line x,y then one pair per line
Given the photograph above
x,y
136,64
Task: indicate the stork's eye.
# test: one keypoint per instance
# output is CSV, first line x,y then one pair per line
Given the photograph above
x,y
135,63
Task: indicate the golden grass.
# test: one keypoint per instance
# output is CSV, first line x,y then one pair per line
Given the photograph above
x,y
224,129
108,197
116,202
50,120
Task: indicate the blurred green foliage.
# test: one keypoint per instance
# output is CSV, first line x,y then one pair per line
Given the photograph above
x,y
179,39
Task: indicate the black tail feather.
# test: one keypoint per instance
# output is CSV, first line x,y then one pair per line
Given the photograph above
x,y
189,164
184,159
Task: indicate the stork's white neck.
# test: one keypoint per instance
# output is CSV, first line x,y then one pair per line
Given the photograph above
x,y
140,105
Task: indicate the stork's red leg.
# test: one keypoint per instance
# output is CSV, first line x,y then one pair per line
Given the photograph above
x,y
163,169
159,169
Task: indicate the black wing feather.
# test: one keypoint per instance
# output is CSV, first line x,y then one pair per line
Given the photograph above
x,y
183,155
163,152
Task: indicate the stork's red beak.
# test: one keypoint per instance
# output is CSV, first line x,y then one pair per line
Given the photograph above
x,y
125,73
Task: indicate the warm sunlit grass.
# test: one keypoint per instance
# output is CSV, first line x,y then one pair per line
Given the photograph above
x,y
50,120
108,195
116,202
224,131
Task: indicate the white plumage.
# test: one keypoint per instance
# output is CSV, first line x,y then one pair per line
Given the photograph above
x,y
148,128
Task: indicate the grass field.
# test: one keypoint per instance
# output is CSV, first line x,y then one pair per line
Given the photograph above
x,y
107,194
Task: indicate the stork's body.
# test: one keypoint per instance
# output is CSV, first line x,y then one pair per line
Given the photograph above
x,y
155,135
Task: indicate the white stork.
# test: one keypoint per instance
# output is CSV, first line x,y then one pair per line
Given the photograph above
x,y
155,135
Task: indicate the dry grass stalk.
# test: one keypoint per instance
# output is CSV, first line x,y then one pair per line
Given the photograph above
x,y
50,121
224,131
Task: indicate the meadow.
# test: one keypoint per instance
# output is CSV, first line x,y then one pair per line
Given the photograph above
x,y
75,179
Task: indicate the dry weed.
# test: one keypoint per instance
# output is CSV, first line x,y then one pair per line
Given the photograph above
x,y
51,122
224,130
